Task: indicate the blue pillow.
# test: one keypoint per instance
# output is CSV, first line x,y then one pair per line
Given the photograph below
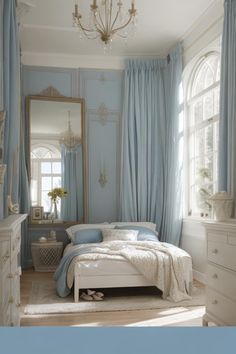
x,y
87,236
145,234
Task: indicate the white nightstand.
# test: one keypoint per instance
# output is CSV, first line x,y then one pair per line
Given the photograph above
x,y
46,255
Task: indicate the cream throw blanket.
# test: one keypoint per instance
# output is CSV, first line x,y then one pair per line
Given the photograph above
x,y
163,264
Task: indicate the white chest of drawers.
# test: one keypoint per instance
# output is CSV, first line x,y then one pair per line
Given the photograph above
x,y
10,270
221,273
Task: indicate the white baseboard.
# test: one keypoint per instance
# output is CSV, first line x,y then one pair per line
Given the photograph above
x,y
201,277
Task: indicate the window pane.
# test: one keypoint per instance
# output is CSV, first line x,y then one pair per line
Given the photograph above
x,y
209,140
206,74
56,167
46,183
56,182
198,111
208,105
46,167
209,77
46,201
199,143
217,100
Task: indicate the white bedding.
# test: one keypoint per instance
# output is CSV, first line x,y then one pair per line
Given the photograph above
x,y
166,266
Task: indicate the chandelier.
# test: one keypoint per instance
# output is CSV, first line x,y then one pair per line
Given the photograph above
x,y
106,19
68,138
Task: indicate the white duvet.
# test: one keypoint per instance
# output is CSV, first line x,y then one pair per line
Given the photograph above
x,y
163,264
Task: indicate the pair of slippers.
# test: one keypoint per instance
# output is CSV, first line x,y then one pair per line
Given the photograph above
x,y
92,295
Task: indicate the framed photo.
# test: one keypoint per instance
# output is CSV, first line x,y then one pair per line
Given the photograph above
x,y
36,213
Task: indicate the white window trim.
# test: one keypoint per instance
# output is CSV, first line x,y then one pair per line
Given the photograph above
x,y
188,74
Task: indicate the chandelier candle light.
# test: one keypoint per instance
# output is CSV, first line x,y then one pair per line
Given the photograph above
x,y
106,20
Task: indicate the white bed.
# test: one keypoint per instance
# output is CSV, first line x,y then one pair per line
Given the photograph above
x,y
115,272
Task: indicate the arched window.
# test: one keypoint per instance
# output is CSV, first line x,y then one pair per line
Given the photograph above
x,y
203,127
45,173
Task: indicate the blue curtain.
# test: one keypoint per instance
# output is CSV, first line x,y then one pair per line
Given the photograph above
x,y
151,178
11,99
71,206
227,130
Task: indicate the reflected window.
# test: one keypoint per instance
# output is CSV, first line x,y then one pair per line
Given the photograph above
x,y
203,132
45,174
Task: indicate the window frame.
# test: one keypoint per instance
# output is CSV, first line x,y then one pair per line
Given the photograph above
x,y
39,162
189,75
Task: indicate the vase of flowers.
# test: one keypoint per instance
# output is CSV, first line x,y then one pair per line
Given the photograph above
x,y
55,195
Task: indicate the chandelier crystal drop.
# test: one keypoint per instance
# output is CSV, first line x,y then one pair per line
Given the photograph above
x,y
107,18
68,138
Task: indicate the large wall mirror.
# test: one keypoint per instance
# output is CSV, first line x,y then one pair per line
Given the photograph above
x,y
57,153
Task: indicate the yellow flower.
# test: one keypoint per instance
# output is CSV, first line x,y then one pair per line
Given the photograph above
x,y
57,193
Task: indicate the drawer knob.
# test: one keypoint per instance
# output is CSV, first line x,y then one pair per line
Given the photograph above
x,y
215,251
215,276
215,302
18,305
10,275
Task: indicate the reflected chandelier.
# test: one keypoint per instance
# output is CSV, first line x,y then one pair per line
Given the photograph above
x,y
106,19
68,138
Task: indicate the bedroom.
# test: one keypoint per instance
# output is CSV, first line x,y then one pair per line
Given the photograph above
x,y
59,72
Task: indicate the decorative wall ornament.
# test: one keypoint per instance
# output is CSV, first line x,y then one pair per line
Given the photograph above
x,y
13,208
51,91
103,175
103,114
103,179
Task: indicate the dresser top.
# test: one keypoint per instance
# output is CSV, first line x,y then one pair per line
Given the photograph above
x,y
228,225
11,222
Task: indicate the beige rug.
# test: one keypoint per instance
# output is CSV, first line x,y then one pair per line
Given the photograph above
x,y
44,300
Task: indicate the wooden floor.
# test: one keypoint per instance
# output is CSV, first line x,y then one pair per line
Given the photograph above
x,y
179,316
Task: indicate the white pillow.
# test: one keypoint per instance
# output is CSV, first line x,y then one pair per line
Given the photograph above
x,y
73,229
146,224
121,235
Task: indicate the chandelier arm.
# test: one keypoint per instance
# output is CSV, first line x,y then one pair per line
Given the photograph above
x,y
114,30
115,19
83,28
101,25
110,19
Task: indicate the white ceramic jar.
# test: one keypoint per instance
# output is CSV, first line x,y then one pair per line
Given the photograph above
x,y
222,204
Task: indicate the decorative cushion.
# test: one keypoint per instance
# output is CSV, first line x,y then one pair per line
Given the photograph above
x,y
121,235
144,234
87,236
146,224
73,229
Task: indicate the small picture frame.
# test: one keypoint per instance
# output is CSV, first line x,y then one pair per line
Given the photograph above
x,y
36,213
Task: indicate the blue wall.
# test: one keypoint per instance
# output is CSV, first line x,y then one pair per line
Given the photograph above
x,y
102,91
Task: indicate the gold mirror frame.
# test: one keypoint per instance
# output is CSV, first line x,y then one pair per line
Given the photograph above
x,y
53,95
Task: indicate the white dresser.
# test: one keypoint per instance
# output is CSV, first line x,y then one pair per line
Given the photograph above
x,y
221,273
10,270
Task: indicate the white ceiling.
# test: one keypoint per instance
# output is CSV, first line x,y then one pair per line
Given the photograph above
x,y
47,27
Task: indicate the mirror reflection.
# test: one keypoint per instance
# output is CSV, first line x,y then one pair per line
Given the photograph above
x,y
57,157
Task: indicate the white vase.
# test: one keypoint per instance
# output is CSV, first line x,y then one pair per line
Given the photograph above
x,y
54,211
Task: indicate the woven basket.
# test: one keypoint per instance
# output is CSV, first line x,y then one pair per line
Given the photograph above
x,y
46,256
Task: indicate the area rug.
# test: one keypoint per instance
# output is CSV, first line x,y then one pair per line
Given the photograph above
x,y
44,300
